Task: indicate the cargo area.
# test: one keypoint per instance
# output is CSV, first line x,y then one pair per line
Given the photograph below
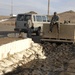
x,y
66,33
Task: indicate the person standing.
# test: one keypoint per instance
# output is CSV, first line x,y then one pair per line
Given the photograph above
x,y
55,21
29,27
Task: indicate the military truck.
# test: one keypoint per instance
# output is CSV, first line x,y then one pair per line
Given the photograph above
x,y
37,20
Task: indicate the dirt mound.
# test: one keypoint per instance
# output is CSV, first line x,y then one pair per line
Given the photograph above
x,y
68,16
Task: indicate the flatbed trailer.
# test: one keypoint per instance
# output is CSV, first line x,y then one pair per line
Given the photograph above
x,y
66,33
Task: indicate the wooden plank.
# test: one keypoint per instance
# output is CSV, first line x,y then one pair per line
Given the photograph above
x,y
58,40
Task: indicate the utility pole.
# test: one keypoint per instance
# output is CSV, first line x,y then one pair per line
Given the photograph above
x,y
11,8
48,7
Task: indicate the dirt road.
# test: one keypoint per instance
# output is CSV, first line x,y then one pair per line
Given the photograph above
x,y
5,29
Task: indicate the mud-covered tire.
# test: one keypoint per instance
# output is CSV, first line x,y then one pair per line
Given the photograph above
x,y
38,33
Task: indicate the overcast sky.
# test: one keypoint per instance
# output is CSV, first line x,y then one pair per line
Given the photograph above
x,y
39,6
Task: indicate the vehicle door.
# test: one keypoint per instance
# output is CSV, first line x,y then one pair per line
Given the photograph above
x,y
26,17
20,21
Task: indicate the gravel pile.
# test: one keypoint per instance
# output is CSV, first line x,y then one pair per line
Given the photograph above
x,y
43,59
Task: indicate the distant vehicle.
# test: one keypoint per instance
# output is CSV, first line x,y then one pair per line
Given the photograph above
x,y
37,20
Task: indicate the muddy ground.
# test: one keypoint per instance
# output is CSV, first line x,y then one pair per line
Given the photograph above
x,y
60,58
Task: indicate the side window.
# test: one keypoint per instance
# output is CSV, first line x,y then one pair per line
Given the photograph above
x,y
20,17
44,18
26,17
39,18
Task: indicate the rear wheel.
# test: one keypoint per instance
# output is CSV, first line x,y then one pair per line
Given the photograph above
x,y
37,33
